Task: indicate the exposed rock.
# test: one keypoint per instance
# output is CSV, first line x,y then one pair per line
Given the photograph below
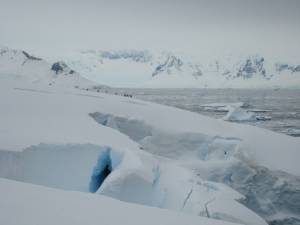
x,y
297,69
170,63
252,66
284,66
197,71
60,67
31,57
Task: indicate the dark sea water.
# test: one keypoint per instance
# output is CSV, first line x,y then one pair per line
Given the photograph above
x,y
282,105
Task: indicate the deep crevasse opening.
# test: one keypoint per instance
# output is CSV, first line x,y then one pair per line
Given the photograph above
x,y
107,162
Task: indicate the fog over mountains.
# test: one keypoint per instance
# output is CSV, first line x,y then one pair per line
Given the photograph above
x,y
51,28
194,43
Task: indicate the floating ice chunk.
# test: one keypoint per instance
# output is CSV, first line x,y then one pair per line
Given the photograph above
x,y
260,110
293,132
263,117
238,114
223,107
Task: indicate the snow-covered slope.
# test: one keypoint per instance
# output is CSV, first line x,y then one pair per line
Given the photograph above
x,y
133,68
21,66
24,204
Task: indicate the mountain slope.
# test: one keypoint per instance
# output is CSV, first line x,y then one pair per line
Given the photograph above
x,y
18,65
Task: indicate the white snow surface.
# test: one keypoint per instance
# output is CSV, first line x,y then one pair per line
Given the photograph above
x,y
23,204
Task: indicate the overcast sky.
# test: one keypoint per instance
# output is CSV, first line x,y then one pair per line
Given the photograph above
x,y
56,26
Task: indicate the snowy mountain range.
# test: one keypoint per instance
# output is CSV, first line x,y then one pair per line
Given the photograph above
x,y
135,68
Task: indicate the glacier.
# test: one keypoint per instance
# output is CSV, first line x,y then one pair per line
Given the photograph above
x,y
269,193
63,146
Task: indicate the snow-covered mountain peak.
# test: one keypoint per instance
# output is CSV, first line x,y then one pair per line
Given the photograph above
x,y
168,63
19,65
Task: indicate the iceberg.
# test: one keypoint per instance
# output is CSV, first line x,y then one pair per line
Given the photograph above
x,y
238,114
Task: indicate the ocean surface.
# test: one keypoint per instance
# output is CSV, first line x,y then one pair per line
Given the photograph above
x,y
282,105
